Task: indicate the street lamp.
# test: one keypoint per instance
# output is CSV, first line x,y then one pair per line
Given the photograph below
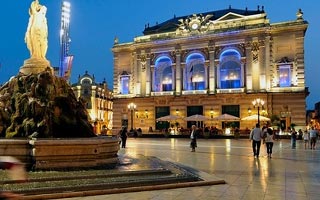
x,y
258,103
132,107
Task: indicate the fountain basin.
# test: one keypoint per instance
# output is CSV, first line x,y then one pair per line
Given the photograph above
x,y
61,153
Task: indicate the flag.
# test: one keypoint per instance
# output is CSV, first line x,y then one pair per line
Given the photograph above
x,y
68,66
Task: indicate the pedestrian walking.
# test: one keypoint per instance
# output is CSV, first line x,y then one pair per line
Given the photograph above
x,y
313,133
124,136
306,139
256,135
277,134
193,137
293,138
269,141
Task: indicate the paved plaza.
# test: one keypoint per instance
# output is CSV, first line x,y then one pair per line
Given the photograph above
x,y
290,173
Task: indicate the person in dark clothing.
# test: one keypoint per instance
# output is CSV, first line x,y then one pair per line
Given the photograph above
x,y
256,136
293,138
124,136
193,137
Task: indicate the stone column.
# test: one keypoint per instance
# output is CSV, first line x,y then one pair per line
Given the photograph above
x,y
152,78
267,63
262,65
136,79
178,73
212,81
299,75
248,67
148,77
183,77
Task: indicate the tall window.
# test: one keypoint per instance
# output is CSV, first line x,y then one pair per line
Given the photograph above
x,y
195,72
285,75
163,76
231,110
86,84
161,112
124,83
230,70
193,110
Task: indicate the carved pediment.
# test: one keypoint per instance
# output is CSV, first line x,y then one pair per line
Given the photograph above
x,y
230,16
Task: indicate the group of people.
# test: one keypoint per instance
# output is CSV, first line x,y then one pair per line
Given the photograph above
x,y
310,138
266,135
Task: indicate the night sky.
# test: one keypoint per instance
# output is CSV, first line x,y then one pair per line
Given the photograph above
x,y
95,23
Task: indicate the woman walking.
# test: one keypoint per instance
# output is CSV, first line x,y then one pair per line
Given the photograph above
x,y
269,141
306,139
124,136
193,137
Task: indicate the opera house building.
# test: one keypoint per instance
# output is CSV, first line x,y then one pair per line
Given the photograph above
x,y
211,64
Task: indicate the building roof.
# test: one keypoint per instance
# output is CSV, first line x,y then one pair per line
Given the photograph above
x,y
174,23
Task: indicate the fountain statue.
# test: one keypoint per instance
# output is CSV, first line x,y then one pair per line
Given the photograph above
x,y
36,105
36,38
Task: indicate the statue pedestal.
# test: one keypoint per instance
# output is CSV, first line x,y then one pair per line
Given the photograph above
x,y
35,66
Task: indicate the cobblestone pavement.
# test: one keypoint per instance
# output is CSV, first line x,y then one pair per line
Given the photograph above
x,y
290,173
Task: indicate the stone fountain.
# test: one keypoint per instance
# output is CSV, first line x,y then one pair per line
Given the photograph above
x,y
41,121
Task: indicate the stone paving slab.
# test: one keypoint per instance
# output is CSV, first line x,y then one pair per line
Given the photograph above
x,y
140,173
290,174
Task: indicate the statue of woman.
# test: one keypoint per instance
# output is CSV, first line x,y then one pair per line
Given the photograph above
x,y
37,32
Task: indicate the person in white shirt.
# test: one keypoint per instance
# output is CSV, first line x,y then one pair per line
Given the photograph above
x,y
313,137
306,139
256,135
269,141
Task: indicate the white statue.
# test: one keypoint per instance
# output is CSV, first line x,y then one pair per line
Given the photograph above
x,y
37,32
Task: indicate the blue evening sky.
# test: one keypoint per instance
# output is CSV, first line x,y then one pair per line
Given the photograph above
x,y
95,23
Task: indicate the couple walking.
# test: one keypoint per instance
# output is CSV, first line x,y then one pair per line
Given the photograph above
x,y
256,135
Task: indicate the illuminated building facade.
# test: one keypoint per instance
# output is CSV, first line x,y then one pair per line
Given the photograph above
x,y
212,63
98,100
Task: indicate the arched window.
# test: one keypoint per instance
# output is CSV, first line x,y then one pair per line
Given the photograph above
x,y
285,75
195,72
230,72
124,83
163,77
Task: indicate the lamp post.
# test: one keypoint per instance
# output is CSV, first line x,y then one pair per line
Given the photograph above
x,y
132,107
258,103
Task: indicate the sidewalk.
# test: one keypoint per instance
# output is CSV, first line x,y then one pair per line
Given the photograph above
x,y
289,174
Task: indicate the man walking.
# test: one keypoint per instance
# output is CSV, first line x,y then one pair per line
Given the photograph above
x,y
256,135
313,137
